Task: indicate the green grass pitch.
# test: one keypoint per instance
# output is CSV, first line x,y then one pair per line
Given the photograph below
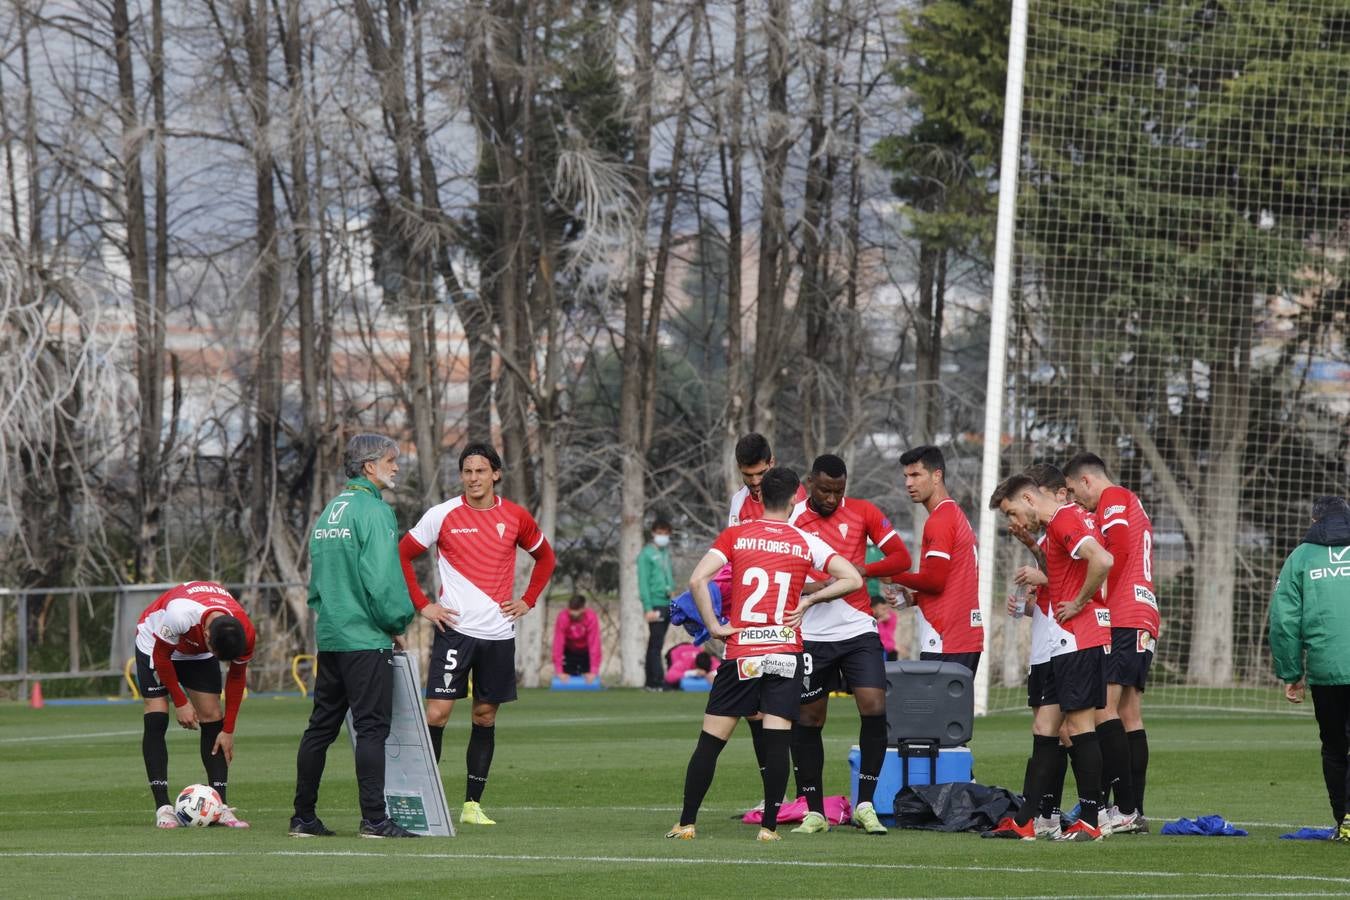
x,y
584,786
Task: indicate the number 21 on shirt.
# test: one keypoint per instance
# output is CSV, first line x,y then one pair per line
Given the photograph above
x,y
759,579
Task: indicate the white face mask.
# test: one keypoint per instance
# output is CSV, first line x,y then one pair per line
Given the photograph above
x,y
661,540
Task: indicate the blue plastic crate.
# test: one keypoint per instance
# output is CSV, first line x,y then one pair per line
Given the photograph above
x,y
575,683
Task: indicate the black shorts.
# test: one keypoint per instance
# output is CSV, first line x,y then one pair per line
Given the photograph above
x,y
1071,681
578,663
838,665
773,695
455,656
970,660
193,674
1129,657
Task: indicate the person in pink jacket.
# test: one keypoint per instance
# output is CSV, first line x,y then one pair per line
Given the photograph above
x,y
576,641
685,659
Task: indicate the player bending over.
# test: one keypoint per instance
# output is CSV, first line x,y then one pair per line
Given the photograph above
x,y
181,639
1071,686
475,535
841,644
769,561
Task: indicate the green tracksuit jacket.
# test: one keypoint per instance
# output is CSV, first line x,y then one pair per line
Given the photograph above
x,y
356,580
656,577
1310,610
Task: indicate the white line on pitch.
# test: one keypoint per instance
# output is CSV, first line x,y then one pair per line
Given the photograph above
x,y
664,860
68,737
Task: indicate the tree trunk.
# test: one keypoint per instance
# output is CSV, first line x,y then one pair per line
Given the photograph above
x,y
770,336
1211,660
149,327
253,14
637,367
738,407
303,239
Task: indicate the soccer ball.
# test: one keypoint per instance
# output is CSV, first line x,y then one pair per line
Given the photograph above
x,y
199,805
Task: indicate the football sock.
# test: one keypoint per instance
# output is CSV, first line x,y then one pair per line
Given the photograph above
x,y
1086,755
1026,780
478,759
808,758
698,777
1044,753
217,768
757,738
776,763
871,755
1057,778
437,735
156,752
1116,765
1138,766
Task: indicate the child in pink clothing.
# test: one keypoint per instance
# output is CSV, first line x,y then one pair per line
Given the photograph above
x,y
576,641
886,622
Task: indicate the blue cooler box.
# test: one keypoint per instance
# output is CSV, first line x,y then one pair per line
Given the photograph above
x,y
954,764
575,683
695,683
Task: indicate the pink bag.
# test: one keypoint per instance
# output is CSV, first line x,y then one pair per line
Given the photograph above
x,y
837,811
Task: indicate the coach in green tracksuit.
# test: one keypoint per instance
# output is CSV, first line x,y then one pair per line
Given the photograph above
x,y
357,588
1310,641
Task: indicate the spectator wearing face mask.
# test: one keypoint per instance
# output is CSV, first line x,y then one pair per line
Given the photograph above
x,y
656,585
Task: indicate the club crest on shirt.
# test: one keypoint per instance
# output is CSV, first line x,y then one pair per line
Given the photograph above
x,y
501,530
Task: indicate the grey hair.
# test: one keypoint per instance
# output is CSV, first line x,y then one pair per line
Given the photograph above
x,y
364,448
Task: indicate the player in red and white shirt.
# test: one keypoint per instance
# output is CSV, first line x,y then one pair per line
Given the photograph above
x,y
754,457
181,640
842,646
475,536
1128,534
770,561
1072,685
946,587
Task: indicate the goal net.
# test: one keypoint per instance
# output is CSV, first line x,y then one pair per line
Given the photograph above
x,y
1179,300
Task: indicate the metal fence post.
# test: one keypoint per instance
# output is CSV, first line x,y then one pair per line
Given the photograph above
x,y
22,616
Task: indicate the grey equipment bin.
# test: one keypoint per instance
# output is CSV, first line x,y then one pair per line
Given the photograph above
x,y
929,700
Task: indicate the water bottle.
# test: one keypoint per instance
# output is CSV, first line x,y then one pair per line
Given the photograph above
x,y
1020,601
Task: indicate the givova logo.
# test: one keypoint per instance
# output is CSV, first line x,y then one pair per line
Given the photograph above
x,y
1338,559
335,514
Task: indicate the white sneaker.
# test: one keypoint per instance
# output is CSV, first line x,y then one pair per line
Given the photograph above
x,y
1047,826
229,820
165,817
1121,823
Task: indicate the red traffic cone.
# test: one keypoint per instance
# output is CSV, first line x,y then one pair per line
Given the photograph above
x,y
35,696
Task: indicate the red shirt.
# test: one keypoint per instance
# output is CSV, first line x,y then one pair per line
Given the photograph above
x,y
1127,534
949,620
1065,534
769,564
171,628
745,508
846,530
476,560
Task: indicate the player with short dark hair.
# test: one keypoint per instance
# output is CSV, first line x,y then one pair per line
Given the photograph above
x,y
841,646
754,457
945,590
181,640
1072,685
1127,534
475,536
770,561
